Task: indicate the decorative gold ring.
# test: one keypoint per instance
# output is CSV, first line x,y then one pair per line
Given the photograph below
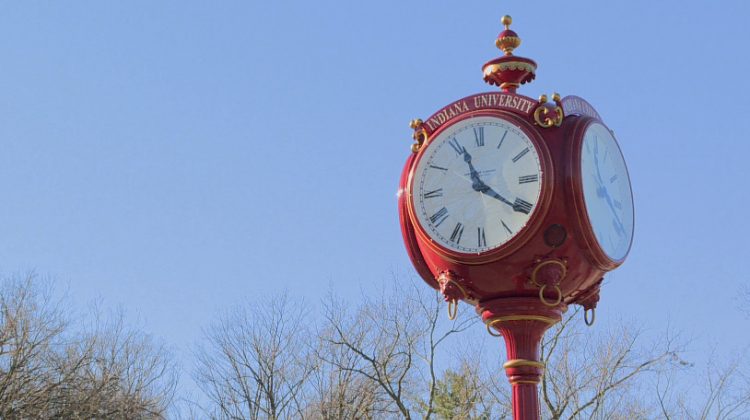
x,y
559,296
586,316
536,270
452,309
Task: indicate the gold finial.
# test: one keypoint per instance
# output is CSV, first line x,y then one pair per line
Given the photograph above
x,y
556,97
507,21
543,98
508,40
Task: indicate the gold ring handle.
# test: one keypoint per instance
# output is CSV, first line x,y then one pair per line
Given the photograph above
x,y
452,309
586,316
559,296
489,324
536,270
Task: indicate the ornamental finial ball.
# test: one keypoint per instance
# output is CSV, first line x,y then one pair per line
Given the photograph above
x,y
506,21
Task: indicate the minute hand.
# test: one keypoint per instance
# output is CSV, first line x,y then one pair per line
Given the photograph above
x,y
479,185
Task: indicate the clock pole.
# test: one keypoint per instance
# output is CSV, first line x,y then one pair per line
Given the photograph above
x,y
505,204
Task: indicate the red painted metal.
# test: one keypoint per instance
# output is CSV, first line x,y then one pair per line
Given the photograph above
x,y
507,284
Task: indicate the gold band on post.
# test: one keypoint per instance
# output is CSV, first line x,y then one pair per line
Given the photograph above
x,y
525,382
523,362
548,320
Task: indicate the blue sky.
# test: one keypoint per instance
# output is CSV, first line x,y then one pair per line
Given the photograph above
x,y
173,157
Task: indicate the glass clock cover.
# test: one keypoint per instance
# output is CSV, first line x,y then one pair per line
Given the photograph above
x,y
477,184
607,192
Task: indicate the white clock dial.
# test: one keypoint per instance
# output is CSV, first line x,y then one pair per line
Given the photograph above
x,y
477,184
606,191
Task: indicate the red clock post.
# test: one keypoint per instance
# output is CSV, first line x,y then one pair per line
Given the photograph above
x,y
517,206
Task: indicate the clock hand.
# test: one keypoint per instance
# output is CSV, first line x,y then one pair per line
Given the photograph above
x,y
479,185
596,162
602,192
476,183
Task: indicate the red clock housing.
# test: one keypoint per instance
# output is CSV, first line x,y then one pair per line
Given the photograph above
x,y
523,286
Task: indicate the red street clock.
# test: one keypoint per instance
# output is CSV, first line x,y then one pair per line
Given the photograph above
x,y
518,206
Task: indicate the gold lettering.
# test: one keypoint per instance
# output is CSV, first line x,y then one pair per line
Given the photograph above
x,y
477,101
507,100
433,123
452,114
515,103
486,100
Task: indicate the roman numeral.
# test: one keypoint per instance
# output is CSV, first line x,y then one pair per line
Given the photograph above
x,y
439,217
613,179
507,229
502,139
479,136
457,147
457,232
432,194
481,240
522,206
520,155
440,168
528,178
618,204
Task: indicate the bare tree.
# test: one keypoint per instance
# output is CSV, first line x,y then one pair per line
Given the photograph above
x,y
724,393
338,392
52,368
394,338
32,327
255,360
744,299
599,374
126,373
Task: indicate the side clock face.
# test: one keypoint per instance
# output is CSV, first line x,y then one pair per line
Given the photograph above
x,y
606,191
477,184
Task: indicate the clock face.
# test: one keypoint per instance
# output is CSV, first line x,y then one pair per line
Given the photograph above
x,y
606,191
477,184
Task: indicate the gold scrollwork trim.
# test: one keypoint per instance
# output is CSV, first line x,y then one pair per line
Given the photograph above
x,y
419,136
548,122
521,363
509,65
